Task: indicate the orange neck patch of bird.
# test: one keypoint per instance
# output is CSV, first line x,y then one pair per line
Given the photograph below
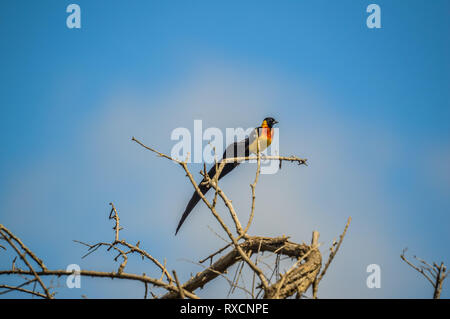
x,y
266,132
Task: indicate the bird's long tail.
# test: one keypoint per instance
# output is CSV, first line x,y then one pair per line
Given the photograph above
x,y
190,206
204,188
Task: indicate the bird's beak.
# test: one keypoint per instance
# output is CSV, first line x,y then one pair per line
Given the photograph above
x,y
275,122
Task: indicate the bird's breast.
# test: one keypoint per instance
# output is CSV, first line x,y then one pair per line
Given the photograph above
x,y
264,138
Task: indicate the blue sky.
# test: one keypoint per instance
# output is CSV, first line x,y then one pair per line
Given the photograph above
x,y
369,108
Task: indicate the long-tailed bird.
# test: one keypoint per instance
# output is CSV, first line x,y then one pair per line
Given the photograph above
x,y
263,133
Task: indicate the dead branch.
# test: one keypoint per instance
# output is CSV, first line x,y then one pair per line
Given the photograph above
x,y
333,253
227,202
280,245
180,289
300,276
115,245
23,252
435,274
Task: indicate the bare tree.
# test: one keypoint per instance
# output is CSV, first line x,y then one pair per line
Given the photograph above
x,y
242,249
435,273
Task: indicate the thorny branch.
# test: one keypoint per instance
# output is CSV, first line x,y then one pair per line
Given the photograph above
x,y
117,245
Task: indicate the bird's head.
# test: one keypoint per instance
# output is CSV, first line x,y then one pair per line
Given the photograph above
x,y
269,122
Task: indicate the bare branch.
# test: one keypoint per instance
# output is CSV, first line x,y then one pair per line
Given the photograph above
x,y
31,292
333,253
101,274
436,273
4,232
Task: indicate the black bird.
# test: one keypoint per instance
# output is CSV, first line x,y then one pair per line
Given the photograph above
x,y
246,147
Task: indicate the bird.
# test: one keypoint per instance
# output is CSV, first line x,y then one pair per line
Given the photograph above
x,y
244,148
